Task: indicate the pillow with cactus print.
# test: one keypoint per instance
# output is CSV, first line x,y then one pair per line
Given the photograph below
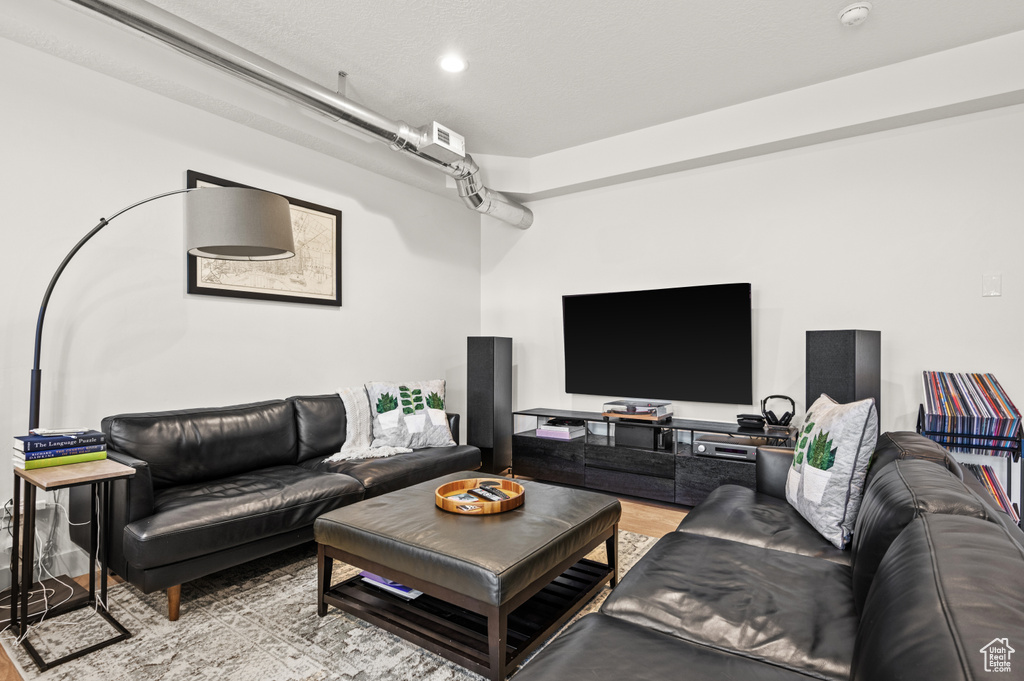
x,y
833,450
409,414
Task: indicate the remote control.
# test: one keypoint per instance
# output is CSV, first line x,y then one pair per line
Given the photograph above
x,y
489,493
58,431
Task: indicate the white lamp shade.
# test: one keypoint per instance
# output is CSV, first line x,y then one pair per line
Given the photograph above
x,y
233,223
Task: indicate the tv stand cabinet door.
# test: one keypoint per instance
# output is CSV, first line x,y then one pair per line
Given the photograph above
x,y
699,476
551,460
633,484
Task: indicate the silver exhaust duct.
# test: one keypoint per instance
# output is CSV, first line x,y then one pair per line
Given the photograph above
x,y
205,46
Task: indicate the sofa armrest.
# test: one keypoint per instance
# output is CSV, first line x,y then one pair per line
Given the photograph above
x,y
138,489
453,425
130,499
772,469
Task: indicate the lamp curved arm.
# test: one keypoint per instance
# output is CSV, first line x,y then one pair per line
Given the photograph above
x,y
33,416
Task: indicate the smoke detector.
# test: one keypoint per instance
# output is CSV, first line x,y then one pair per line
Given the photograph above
x,y
855,14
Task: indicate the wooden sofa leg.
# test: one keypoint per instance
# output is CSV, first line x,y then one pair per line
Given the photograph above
x,y
173,602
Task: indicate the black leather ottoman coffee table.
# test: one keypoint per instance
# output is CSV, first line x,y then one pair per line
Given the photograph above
x,y
494,587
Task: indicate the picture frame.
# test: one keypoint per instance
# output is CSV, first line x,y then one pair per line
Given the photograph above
x,y
312,276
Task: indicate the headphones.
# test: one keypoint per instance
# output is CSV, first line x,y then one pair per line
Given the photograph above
x,y
771,418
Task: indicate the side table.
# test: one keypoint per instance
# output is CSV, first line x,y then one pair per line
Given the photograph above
x,y
98,475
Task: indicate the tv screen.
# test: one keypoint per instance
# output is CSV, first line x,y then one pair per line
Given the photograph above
x,y
690,344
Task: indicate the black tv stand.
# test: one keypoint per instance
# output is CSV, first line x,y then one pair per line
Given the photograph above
x,y
649,467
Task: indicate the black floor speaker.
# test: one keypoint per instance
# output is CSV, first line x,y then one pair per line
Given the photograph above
x,y
845,365
489,409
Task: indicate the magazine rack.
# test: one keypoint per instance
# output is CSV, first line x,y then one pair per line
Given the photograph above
x,y
1006,446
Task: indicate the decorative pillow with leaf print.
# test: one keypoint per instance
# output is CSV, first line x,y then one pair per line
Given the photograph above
x,y
409,414
833,450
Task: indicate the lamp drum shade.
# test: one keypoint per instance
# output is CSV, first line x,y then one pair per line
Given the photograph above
x,y
235,223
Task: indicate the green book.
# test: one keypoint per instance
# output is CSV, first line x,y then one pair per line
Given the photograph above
x,y
32,464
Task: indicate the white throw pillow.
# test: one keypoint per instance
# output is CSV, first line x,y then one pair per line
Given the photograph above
x,y
359,429
409,414
833,450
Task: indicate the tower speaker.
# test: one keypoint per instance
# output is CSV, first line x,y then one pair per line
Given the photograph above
x,y
845,365
489,411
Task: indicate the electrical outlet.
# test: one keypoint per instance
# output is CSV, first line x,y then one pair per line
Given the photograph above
x,y
40,505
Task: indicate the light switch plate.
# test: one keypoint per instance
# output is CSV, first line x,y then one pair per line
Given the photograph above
x,y
991,285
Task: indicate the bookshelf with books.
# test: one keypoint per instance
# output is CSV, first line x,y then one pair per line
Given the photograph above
x,y
973,417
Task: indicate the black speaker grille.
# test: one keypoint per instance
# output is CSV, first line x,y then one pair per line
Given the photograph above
x,y
845,365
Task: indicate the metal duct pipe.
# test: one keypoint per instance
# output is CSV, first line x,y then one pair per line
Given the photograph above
x,y
207,47
484,200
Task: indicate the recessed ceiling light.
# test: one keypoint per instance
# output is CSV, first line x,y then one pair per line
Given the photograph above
x,y
453,63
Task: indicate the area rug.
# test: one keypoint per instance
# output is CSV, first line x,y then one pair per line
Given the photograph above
x,y
256,622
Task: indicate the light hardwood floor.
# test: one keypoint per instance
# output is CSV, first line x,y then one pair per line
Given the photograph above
x,y
651,518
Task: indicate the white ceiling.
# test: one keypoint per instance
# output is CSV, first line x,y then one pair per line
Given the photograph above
x,y
555,75
545,75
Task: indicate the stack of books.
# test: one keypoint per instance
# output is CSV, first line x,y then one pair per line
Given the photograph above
x,y
45,448
562,429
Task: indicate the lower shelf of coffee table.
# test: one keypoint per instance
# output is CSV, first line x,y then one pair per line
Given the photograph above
x,y
461,635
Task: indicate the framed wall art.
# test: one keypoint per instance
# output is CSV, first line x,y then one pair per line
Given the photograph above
x,y
313,276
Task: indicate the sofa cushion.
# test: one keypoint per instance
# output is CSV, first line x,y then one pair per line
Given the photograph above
x,y
949,592
195,445
401,470
785,609
907,445
320,425
202,518
601,647
826,481
409,414
743,515
903,491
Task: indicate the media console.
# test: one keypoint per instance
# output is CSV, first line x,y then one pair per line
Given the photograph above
x,y
673,474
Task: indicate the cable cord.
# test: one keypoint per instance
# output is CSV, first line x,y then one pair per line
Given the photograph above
x,y
27,629
44,567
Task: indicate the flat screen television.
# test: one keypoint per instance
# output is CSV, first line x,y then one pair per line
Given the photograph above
x,y
689,344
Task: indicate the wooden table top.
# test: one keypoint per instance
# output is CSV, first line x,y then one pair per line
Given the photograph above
x,y
69,475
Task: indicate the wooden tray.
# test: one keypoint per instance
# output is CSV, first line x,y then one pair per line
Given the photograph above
x,y
513,489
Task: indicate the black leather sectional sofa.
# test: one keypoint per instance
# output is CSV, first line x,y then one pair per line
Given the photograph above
x,y
932,587
214,488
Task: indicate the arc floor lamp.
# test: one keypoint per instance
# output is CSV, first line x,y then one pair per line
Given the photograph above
x,y
227,223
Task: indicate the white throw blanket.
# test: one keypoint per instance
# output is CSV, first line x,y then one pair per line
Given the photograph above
x,y
359,429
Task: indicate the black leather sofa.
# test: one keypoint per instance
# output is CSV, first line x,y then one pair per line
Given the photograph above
x,y
932,587
214,488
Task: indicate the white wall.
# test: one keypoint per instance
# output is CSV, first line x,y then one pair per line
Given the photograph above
x,y
891,231
121,333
